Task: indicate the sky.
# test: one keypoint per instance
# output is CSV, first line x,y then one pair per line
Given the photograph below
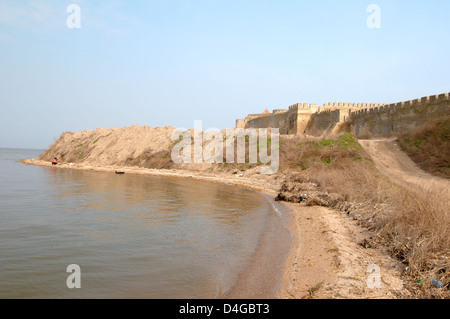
x,y
171,62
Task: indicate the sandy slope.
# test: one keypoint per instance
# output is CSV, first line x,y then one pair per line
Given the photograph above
x,y
395,164
102,147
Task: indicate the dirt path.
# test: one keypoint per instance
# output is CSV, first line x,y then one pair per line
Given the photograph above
x,y
395,164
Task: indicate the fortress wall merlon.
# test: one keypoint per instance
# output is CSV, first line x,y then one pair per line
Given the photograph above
x,y
293,107
433,98
425,99
443,97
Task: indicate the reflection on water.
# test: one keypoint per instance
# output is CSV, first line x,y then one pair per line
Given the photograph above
x,y
133,236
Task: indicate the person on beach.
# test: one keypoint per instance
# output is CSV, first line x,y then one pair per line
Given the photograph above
x,y
55,161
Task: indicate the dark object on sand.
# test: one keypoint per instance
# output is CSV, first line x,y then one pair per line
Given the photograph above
x,y
120,173
293,199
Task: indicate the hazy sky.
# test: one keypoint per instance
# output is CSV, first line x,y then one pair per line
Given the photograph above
x,y
168,62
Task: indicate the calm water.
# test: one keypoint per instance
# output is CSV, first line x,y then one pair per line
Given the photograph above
x,y
132,236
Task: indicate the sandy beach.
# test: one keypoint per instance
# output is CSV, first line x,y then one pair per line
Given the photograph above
x,y
323,258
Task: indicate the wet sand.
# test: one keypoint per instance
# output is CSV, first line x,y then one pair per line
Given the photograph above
x,y
262,277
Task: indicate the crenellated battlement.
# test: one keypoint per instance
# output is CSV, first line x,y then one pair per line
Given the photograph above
x,y
375,118
405,104
346,106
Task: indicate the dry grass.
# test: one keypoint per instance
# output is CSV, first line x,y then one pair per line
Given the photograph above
x,y
152,159
413,225
417,232
339,166
429,146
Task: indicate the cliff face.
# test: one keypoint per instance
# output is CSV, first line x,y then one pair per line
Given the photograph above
x,y
110,146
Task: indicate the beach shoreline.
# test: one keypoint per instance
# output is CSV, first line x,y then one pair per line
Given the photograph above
x,y
325,259
276,239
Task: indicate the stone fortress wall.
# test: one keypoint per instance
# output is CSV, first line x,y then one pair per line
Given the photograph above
x,y
362,119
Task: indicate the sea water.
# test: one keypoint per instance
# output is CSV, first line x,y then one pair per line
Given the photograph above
x,y
132,236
